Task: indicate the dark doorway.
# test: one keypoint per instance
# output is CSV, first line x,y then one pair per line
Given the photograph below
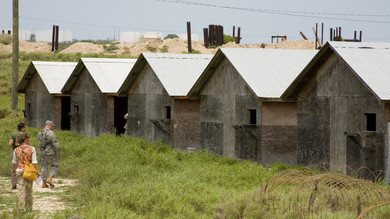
x,y
120,110
65,110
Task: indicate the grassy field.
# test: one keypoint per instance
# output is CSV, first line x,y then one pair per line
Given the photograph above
x,y
124,177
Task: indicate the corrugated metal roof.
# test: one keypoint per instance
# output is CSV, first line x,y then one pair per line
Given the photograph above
x,y
370,61
108,73
53,74
268,72
177,72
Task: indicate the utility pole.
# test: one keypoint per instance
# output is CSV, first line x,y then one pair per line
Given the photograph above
x,y
15,54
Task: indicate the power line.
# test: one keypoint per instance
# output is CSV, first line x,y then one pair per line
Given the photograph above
x,y
287,13
96,25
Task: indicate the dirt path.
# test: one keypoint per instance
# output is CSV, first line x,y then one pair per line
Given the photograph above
x,y
46,201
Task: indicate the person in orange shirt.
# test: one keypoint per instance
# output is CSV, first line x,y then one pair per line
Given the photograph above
x,y
24,152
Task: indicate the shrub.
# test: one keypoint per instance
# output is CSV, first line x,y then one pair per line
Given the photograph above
x,y
164,49
5,39
151,48
227,39
171,36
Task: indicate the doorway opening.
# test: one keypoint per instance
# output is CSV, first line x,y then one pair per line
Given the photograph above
x,y
120,110
65,110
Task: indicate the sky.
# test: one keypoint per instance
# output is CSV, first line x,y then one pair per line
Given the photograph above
x,y
257,19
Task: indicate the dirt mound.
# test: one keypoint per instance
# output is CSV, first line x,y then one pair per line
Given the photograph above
x,y
84,48
135,49
28,47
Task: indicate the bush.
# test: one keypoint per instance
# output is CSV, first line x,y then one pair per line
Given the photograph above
x,y
227,39
5,39
151,48
171,36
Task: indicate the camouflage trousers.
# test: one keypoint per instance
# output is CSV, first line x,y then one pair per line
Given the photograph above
x,y
47,161
25,197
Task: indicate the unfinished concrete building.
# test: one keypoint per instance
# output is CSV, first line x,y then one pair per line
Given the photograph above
x,y
42,83
95,105
343,107
241,113
158,107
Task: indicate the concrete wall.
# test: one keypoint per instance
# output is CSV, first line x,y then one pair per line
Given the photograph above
x,y
92,118
40,102
225,100
279,132
146,101
335,102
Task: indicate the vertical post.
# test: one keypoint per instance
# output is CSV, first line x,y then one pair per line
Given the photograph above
x,y
15,54
234,31
359,205
340,32
361,36
53,38
57,32
331,34
206,37
316,32
211,35
322,34
189,36
388,155
354,35
238,35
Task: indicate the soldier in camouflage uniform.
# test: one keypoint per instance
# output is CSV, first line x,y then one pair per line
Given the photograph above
x,y
50,153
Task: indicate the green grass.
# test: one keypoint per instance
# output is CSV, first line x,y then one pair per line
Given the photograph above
x,y
124,177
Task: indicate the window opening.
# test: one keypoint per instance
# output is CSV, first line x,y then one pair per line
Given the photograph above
x,y
370,121
252,116
167,112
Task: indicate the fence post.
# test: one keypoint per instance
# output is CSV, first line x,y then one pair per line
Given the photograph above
x,y
206,37
189,37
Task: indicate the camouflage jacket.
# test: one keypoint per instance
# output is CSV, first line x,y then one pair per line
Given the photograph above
x,y
48,144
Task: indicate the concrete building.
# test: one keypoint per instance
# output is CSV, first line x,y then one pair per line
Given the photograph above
x,y
47,36
184,36
343,100
132,37
150,36
95,105
241,113
158,107
42,83
23,34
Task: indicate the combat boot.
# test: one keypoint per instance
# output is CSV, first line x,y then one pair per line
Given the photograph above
x,y
50,181
44,185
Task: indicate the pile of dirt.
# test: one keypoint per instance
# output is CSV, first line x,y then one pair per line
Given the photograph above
x,y
135,49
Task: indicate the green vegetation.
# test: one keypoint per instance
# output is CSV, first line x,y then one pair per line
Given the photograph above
x,y
164,49
227,39
171,36
111,47
124,177
151,48
5,39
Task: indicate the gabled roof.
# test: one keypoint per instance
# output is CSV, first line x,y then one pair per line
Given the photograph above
x,y
176,72
267,72
108,73
53,74
369,61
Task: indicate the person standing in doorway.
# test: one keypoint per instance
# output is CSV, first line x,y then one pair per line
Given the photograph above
x,y
24,153
50,153
14,144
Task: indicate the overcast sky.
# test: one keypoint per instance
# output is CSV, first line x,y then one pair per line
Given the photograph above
x,y
258,19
